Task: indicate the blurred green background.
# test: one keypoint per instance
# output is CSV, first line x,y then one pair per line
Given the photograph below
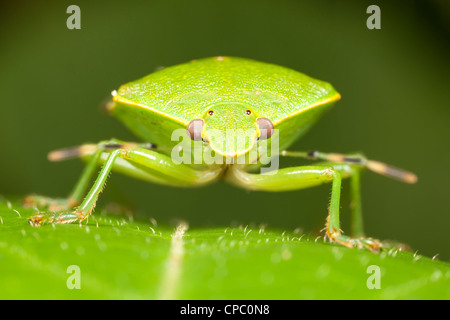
x,y
394,84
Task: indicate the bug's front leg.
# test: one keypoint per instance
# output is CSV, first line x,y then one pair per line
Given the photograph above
x,y
351,165
297,178
94,151
83,211
136,161
75,197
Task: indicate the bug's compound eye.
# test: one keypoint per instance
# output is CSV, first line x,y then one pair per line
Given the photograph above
x,y
210,112
194,129
248,112
265,128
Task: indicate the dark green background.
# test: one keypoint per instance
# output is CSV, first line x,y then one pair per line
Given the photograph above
x,y
394,84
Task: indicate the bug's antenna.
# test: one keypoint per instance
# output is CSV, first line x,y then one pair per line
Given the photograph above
x,y
73,152
375,166
391,171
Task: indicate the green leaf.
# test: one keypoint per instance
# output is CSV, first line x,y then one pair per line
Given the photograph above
x,y
123,259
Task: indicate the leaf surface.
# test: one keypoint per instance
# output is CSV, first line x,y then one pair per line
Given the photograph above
x,y
123,259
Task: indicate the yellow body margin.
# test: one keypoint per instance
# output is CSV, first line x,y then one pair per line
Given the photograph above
x,y
119,99
336,97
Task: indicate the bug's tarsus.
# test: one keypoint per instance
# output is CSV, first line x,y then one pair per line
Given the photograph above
x,y
58,217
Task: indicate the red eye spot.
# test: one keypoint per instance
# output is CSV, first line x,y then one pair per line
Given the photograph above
x,y
248,112
210,112
265,127
194,129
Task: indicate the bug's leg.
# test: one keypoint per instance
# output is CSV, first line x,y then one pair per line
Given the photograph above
x,y
93,151
357,237
86,207
296,178
356,159
75,196
356,217
356,162
141,163
353,172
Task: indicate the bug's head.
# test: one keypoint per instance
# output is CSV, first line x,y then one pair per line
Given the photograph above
x,y
230,129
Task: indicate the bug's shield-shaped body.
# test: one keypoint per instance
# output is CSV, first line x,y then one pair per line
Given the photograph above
x,y
230,95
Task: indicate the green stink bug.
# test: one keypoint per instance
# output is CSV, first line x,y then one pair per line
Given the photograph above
x,y
233,110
